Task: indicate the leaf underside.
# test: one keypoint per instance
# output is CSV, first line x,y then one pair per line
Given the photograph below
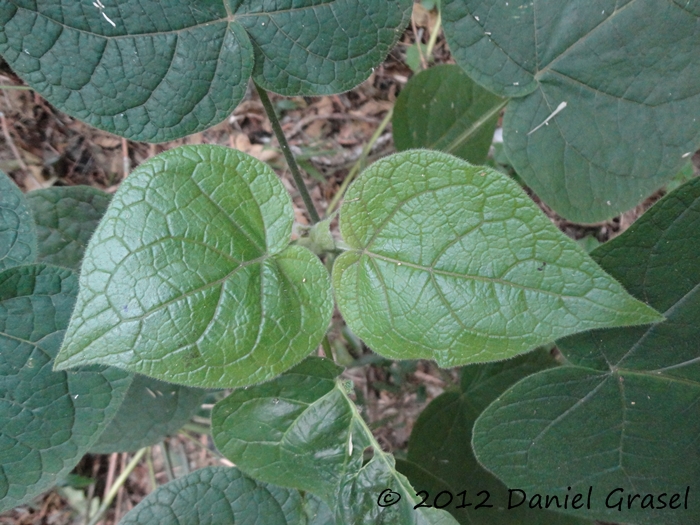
x,y
455,263
189,277
48,420
626,412
629,72
301,430
154,71
151,411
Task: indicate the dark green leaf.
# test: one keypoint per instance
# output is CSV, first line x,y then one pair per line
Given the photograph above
x,y
443,109
156,70
628,72
65,219
151,411
189,277
48,420
218,496
626,412
440,456
301,430
17,235
455,263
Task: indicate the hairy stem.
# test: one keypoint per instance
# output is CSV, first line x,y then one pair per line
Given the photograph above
x,y
293,166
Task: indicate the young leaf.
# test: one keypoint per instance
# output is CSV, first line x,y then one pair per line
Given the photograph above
x,y
626,413
65,219
440,440
453,262
156,70
622,78
189,277
17,235
48,420
442,108
301,430
218,495
151,411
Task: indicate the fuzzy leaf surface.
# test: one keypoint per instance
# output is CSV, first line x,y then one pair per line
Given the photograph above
x,y
218,496
628,71
156,70
442,108
17,234
189,277
151,411
440,439
48,420
455,263
65,219
301,430
626,412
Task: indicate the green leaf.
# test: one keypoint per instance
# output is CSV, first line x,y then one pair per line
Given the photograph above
x,y
441,459
218,496
65,219
157,70
301,430
626,412
628,73
442,108
189,277
151,411
455,263
17,235
48,420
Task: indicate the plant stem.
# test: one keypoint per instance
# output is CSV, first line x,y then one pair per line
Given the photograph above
x,y
293,166
359,164
115,487
434,35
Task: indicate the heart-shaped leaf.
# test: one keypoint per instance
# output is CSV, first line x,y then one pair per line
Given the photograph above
x,y
65,219
455,263
440,440
301,430
217,496
442,108
607,102
151,411
156,70
17,234
48,420
189,277
626,413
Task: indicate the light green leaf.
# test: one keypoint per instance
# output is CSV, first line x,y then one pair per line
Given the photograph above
x,y
48,420
442,108
301,430
151,411
65,219
156,70
440,456
17,235
218,496
455,263
622,77
626,412
189,277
